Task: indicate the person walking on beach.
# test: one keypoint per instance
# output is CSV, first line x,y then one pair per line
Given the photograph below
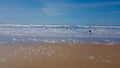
x,y
90,32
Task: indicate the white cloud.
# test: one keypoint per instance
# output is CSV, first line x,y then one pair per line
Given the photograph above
x,y
52,11
55,9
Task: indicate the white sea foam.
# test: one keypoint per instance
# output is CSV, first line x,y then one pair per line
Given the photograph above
x,y
95,42
53,41
63,40
107,40
14,39
106,61
74,41
34,40
91,57
49,41
3,59
23,40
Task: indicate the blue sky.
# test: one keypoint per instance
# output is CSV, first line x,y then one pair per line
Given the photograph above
x,y
73,12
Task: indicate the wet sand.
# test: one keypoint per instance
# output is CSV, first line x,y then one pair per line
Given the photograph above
x,y
60,55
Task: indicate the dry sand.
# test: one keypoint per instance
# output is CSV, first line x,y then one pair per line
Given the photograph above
x,y
60,55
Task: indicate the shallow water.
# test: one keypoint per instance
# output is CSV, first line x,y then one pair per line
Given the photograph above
x,y
30,39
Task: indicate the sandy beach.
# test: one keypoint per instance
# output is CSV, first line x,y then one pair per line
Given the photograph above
x,y
60,55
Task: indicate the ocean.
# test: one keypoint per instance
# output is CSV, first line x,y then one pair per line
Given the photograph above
x,y
16,33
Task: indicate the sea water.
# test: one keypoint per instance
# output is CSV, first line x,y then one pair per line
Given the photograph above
x,y
16,33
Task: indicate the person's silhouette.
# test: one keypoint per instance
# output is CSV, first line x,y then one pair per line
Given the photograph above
x,y
90,32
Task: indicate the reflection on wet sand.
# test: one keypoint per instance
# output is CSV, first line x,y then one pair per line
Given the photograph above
x,y
60,55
